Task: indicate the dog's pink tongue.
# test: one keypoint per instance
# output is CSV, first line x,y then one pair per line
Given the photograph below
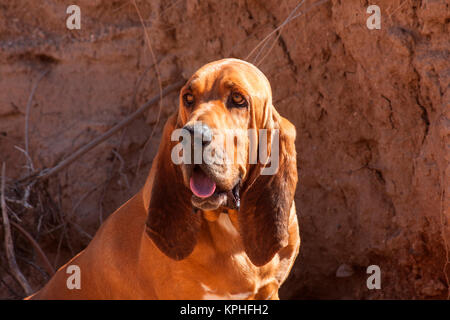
x,y
201,185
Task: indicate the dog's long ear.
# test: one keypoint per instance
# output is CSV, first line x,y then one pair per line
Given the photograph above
x,y
265,205
171,222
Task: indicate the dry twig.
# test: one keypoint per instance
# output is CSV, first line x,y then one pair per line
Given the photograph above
x,y
291,17
158,75
27,118
9,245
280,28
37,247
45,173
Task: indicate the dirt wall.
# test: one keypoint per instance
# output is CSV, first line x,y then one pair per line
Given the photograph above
x,y
371,108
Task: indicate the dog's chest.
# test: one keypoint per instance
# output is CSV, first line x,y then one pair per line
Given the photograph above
x,y
231,275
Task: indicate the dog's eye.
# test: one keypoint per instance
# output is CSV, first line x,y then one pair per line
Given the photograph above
x,y
188,99
238,100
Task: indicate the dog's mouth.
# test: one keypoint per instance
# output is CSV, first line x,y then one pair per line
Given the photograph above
x,y
208,195
201,184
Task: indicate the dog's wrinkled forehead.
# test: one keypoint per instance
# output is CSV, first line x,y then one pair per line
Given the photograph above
x,y
213,77
242,73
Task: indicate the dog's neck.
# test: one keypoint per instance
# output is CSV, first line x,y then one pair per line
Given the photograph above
x,y
212,216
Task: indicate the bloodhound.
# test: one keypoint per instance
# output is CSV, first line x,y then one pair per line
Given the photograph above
x,y
208,229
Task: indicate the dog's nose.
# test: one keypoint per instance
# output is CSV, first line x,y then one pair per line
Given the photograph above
x,y
201,133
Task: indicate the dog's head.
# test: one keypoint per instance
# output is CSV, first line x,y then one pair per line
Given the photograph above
x,y
235,152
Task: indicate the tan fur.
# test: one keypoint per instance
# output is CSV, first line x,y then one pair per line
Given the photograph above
x,y
123,262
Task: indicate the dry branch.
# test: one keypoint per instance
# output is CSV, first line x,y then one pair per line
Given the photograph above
x,y
37,247
45,173
27,118
9,245
158,75
278,29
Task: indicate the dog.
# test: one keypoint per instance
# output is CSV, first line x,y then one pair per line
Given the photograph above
x,y
214,230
